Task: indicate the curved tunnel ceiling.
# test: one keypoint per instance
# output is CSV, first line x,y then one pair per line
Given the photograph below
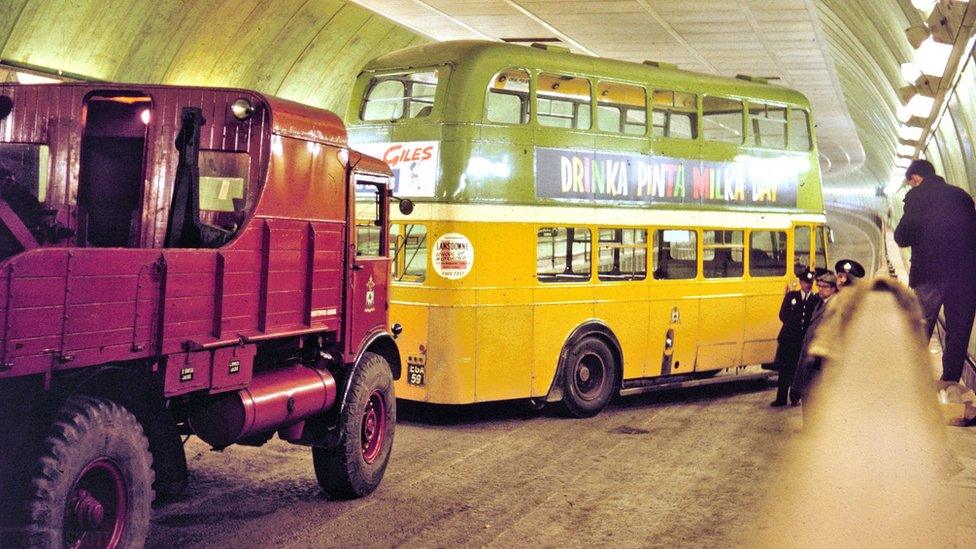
x,y
305,50
310,50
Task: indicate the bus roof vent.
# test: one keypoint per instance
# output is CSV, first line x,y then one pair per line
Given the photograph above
x,y
661,64
551,47
756,79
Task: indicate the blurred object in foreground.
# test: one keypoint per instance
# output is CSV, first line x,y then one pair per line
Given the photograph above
x,y
870,467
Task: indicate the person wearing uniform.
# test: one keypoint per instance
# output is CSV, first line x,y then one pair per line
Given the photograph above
x,y
939,223
848,272
808,367
795,313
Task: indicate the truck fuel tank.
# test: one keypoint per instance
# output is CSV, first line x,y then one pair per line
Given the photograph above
x,y
274,399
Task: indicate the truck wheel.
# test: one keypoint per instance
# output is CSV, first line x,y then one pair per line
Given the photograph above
x,y
589,378
355,467
92,485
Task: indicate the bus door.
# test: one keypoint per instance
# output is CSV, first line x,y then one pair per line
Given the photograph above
x,y
723,293
674,304
369,263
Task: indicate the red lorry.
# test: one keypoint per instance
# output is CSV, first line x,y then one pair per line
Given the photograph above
x,y
177,261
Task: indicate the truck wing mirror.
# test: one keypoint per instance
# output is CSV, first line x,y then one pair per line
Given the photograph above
x,y
406,206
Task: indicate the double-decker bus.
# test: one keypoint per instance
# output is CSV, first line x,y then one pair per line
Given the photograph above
x,y
585,226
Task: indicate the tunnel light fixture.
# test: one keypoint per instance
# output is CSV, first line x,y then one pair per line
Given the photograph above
x,y
905,150
931,57
910,72
910,133
921,106
903,114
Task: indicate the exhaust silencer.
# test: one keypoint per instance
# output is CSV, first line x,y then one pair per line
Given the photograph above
x,y
273,400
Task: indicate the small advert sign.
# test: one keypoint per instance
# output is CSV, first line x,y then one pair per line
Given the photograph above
x,y
414,165
586,176
452,256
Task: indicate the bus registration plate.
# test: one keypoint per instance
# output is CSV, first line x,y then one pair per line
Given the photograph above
x,y
415,374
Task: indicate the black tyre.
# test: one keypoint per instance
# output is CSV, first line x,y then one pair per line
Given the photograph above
x,y
92,484
589,378
355,467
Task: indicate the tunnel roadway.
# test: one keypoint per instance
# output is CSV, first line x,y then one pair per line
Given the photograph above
x,y
679,468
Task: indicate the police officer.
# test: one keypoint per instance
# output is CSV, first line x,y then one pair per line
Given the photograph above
x,y
795,313
848,272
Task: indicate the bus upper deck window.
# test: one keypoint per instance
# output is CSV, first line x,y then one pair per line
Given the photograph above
x,y
397,96
675,114
508,97
800,130
722,119
768,125
563,101
621,108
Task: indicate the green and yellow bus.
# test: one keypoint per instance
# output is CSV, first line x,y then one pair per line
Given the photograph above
x,y
585,226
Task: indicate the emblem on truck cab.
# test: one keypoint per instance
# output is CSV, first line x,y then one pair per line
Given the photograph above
x,y
370,296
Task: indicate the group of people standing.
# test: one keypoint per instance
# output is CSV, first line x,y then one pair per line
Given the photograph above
x,y
801,313
939,224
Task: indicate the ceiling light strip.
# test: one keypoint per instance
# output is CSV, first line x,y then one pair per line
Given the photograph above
x,y
454,19
761,36
562,36
674,34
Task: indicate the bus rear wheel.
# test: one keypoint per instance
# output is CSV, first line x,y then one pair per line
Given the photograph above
x,y
355,467
92,485
589,378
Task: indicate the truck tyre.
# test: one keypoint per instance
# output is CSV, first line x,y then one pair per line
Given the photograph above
x,y
355,466
92,484
589,378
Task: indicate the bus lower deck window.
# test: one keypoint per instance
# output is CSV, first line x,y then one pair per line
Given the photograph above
x,y
767,253
563,254
722,254
675,254
408,247
623,254
801,247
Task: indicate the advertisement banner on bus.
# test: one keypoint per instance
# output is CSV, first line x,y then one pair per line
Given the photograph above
x,y
585,176
414,165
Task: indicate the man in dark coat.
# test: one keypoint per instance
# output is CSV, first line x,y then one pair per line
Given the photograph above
x,y
939,223
808,367
795,313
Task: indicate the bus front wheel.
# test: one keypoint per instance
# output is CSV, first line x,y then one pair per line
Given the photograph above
x,y
589,377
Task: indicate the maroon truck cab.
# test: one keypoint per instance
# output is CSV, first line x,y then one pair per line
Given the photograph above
x,y
178,261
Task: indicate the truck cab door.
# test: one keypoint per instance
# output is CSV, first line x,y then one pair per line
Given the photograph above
x,y
367,259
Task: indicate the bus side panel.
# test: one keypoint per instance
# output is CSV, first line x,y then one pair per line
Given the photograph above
x,y
721,320
559,309
504,352
673,306
762,319
623,307
413,342
451,355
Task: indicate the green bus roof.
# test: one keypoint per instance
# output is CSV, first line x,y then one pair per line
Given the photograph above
x,y
497,54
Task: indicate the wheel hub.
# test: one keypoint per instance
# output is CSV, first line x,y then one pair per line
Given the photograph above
x,y
96,509
584,374
87,511
590,375
374,427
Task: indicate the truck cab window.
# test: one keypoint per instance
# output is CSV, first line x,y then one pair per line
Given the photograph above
x,y
369,220
223,189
